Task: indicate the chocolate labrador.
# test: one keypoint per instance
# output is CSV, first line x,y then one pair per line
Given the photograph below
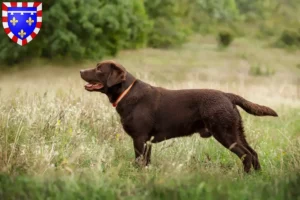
x,y
155,114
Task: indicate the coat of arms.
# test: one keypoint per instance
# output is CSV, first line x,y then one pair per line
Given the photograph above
x,y
22,21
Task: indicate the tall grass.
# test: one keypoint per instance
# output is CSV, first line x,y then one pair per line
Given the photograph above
x,y
60,142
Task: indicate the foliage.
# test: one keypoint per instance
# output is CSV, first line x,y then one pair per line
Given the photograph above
x,y
289,38
225,38
81,30
226,10
170,26
74,28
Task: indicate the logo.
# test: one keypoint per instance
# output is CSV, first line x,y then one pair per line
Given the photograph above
x,y
22,21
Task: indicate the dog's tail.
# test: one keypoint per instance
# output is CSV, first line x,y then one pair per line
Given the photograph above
x,y
250,107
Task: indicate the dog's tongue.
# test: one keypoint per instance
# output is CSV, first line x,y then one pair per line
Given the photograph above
x,y
91,86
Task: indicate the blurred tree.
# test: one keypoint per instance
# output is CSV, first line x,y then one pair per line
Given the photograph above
x,y
92,29
169,24
77,29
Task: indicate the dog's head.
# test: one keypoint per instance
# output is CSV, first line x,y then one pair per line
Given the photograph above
x,y
105,75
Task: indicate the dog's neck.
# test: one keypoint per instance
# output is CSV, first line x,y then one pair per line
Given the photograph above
x,y
115,91
123,94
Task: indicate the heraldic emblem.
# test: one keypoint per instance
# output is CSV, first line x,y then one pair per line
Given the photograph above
x,y
22,21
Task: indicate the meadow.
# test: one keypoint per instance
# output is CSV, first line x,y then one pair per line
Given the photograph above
x,y
58,141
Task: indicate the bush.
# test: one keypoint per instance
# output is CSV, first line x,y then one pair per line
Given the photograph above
x,y
289,38
225,38
258,70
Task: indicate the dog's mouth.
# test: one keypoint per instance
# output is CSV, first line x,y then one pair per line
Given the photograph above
x,y
93,86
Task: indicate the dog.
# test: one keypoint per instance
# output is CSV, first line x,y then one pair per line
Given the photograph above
x,y
156,114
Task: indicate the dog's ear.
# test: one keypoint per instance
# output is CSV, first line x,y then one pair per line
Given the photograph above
x,y
117,74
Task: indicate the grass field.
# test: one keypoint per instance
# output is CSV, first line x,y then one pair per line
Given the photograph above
x,y
58,141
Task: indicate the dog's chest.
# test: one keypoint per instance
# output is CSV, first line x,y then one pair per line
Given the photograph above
x,y
129,125
138,123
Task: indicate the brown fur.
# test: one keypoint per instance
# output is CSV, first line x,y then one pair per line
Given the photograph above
x,y
157,114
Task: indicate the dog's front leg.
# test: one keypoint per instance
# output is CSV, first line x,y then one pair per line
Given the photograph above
x,y
142,150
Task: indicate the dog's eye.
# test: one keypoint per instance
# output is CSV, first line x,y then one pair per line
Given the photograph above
x,y
99,70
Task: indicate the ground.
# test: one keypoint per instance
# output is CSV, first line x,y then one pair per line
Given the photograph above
x,y
61,142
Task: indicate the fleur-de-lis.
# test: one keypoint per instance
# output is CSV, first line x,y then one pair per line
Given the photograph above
x,y
14,21
22,33
29,21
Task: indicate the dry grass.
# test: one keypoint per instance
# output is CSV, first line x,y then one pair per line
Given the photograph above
x,y
52,128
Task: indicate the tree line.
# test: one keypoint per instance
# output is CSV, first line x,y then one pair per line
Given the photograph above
x,y
92,29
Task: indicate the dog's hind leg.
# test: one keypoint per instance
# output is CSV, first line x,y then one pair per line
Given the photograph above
x,y
228,138
242,138
255,161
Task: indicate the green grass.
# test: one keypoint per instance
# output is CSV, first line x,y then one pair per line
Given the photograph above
x,y
196,187
257,70
58,141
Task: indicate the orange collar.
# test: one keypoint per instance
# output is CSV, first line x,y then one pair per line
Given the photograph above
x,y
123,94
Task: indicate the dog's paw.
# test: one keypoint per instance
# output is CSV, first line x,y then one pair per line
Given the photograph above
x,y
140,162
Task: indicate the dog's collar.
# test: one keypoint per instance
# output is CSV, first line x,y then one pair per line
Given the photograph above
x,y
122,95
